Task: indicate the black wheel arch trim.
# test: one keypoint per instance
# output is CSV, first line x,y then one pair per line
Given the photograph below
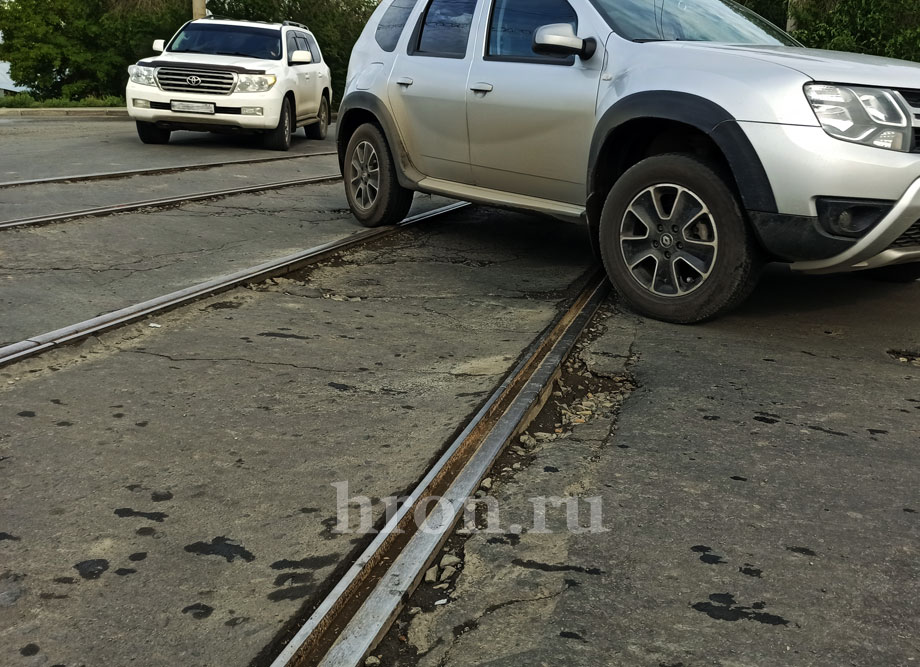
x,y
706,116
370,103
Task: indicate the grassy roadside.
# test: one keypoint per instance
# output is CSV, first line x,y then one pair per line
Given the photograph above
x,y
26,101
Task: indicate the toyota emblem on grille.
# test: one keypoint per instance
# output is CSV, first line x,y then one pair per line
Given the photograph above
x,y
193,80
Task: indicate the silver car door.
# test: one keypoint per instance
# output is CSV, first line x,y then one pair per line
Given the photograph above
x,y
427,90
531,116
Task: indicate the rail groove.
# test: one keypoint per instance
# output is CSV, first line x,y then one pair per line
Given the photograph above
x,y
106,175
43,342
165,201
358,611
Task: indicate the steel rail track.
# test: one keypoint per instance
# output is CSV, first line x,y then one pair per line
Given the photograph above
x,y
105,175
278,267
165,201
358,611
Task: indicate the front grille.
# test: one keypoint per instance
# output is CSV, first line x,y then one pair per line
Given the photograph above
x,y
212,82
912,97
910,238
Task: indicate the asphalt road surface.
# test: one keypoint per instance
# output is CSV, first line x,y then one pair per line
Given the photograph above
x,y
166,490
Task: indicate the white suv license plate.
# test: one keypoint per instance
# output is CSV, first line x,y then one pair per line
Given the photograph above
x,y
192,107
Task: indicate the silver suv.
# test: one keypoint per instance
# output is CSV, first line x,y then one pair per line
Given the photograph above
x,y
221,75
697,140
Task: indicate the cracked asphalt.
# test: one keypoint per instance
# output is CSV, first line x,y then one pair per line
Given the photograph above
x,y
759,493
56,275
167,493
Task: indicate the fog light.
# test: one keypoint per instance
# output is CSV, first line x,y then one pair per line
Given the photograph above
x,y
142,104
851,217
251,111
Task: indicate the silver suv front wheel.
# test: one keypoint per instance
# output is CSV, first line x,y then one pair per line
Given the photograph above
x,y
675,242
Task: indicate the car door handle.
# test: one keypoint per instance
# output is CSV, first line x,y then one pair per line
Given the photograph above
x,y
404,81
482,88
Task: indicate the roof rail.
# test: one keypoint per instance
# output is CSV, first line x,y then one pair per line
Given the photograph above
x,y
295,24
230,18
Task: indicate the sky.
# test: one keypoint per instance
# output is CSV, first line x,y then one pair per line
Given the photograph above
x,y
5,81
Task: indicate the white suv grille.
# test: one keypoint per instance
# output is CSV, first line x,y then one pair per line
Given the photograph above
x,y
207,81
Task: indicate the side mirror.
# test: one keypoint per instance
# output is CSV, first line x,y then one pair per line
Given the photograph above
x,y
301,58
559,39
159,45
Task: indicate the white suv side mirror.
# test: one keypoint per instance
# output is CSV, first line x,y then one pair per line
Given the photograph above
x,y
159,45
560,39
301,58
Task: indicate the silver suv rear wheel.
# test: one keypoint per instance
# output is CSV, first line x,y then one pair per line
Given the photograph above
x,y
371,186
675,242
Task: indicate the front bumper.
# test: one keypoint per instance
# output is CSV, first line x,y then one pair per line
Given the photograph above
x,y
895,240
805,163
228,113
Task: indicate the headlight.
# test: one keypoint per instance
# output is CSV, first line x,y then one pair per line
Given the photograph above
x,y
255,83
870,116
146,76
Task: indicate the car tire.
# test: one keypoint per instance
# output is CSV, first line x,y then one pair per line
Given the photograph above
x,y
319,129
373,191
899,273
149,133
675,242
279,139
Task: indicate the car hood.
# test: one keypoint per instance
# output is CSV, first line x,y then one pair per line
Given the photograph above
x,y
231,62
827,66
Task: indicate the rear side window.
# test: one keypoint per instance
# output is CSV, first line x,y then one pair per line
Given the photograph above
x,y
514,23
445,29
309,44
390,28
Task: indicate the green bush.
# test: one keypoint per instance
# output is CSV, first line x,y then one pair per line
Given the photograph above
x,y
26,101
879,27
888,28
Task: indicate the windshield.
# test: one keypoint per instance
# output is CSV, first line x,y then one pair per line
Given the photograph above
x,y
720,21
228,40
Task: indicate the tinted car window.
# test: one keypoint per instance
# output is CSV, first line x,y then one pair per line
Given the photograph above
x,y
391,25
446,28
313,48
720,21
291,44
514,23
229,40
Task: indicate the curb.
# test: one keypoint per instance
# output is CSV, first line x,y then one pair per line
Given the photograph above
x,y
94,112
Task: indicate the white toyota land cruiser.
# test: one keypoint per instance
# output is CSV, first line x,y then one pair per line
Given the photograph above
x,y
222,75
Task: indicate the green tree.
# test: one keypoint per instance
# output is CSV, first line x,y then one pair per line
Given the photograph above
x,y
80,48
337,24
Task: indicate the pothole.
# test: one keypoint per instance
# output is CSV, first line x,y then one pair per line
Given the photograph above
x,y
905,357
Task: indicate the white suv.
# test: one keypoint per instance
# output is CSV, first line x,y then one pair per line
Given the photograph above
x,y
695,139
221,75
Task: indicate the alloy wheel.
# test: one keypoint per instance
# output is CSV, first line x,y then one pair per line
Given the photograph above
x,y
669,240
365,175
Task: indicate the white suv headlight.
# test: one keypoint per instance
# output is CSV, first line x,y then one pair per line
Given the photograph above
x,y
255,83
870,116
146,76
